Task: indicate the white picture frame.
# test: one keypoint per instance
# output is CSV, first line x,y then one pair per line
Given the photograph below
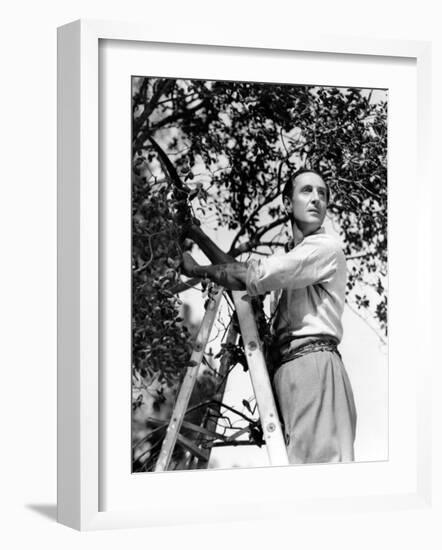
x,y
79,287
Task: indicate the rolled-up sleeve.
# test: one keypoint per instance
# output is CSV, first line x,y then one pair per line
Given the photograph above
x,y
313,261
254,276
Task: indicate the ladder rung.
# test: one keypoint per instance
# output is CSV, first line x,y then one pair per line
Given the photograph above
x,y
194,449
200,430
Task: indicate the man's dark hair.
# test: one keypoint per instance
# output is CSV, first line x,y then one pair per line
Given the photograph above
x,y
288,188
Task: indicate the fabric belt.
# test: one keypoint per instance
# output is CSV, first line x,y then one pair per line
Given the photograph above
x,y
319,344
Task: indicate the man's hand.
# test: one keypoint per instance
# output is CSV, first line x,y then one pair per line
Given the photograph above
x,y
189,265
231,275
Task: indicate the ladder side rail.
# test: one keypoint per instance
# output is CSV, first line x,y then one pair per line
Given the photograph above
x,y
271,426
188,383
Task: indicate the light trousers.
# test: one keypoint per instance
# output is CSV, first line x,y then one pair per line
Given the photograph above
x,y
316,403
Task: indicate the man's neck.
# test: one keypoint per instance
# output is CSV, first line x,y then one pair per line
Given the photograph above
x,y
299,235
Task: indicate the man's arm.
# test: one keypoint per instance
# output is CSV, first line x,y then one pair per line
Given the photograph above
x,y
313,261
232,275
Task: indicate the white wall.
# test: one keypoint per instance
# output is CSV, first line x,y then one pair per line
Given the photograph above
x,y
28,275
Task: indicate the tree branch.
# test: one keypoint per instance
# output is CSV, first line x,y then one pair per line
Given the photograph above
x,y
163,88
173,118
191,230
359,182
271,226
210,249
170,169
169,119
360,255
267,200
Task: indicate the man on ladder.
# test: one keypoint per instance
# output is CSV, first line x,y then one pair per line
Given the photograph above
x,y
311,385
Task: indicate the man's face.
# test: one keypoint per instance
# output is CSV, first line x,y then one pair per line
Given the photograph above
x,y
309,202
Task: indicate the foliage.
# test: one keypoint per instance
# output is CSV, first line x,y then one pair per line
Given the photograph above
x,y
160,340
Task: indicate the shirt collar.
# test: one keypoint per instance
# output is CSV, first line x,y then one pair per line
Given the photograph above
x,y
291,243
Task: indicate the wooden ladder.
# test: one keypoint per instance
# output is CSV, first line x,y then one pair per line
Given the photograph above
x,y
271,427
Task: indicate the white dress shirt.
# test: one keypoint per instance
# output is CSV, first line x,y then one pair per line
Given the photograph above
x,y
312,277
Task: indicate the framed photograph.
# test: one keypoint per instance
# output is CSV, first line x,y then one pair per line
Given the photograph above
x,y
234,228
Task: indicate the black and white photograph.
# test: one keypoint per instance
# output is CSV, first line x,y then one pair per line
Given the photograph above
x,y
259,274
